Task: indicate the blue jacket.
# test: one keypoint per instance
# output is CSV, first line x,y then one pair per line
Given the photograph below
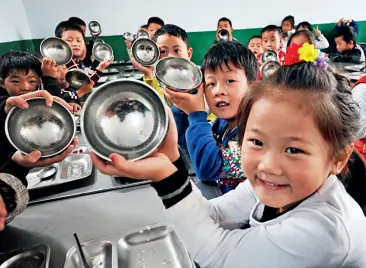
x,y
196,134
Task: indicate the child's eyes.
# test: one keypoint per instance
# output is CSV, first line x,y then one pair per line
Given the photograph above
x,y
230,81
209,85
292,150
162,51
33,81
177,50
257,142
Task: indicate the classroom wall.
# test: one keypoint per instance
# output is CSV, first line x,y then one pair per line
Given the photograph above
x,y
37,19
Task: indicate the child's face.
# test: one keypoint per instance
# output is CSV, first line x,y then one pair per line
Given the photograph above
x,y
271,41
224,90
61,78
284,154
300,39
152,28
18,82
76,42
224,25
255,45
286,26
172,46
342,45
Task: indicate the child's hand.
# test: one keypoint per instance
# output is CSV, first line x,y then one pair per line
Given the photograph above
x,y
128,44
32,160
49,67
186,102
105,64
21,101
75,107
148,71
317,31
85,89
3,214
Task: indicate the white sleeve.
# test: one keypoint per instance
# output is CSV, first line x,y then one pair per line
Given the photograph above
x,y
322,42
308,236
359,96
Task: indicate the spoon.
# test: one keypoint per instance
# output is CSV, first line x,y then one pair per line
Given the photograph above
x,y
86,262
42,175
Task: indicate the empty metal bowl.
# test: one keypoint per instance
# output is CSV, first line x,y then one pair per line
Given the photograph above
x,y
178,74
29,259
102,51
56,49
49,130
269,55
124,116
269,68
223,35
142,34
129,36
77,77
97,41
145,52
95,28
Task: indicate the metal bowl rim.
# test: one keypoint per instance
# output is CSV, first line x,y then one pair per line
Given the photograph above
x,y
78,71
100,27
267,52
90,99
42,156
175,88
62,41
101,44
134,53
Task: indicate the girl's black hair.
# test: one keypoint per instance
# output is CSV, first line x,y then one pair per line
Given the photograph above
x,y
19,61
67,26
232,52
306,25
309,35
336,114
290,19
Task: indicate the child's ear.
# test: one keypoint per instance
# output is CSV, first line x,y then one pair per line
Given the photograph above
x,y
190,52
341,161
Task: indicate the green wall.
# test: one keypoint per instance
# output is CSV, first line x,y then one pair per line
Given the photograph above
x,y
200,41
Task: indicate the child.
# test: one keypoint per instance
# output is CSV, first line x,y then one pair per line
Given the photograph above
x,y
74,36
321,41
300,37
229,68
359,96
154,24
287,28
296,132
13,191
67,93
271,40
224,23
255,45
172,42
348,50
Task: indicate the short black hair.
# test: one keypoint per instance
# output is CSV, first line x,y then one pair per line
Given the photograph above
x,y
67,26
254,37
232,52
78,21
144,26
174,30
19,61
347,32
309,35
271,28
225,19
290,19
156,20
306,25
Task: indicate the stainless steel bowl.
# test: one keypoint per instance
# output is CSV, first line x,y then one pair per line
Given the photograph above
x,y
269,68
223,35
142,34
102,51
269,55
129,36
124,116
56,49
49,130
95,28
178,74
26,259
97,41
77,77
145,51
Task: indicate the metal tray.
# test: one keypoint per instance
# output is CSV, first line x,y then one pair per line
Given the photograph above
x,y
36,253
111,71
155,246
74,167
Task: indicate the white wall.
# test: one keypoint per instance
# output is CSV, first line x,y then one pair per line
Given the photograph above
x,y
118,16
14,21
